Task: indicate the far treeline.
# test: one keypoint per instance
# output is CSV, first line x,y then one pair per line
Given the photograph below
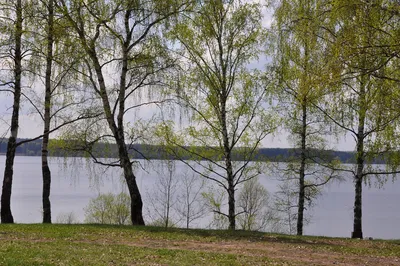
x,y
208,81
149,152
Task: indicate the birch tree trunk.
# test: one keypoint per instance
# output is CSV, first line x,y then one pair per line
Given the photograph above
x,y
6,215
47,116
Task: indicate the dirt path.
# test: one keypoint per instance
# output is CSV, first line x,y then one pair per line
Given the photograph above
x,y
300,253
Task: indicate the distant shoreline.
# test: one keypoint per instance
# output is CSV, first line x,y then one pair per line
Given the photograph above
x,y
145,151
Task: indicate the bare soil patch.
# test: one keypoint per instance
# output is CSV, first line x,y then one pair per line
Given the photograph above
x,y
303,252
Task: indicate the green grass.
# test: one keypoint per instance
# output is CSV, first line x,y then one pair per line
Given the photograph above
x,y
38,244
63,253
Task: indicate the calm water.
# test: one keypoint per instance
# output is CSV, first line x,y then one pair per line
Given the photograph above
x,y
75,182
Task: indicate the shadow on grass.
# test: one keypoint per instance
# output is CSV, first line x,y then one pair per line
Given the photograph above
x,y
174,233
221,235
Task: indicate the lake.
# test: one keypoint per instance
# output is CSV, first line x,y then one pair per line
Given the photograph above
x,y
75,181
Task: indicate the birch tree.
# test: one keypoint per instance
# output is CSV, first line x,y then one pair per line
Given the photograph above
x,y
365,104
124,57
12,55
25,49
302,69
64,100
224,98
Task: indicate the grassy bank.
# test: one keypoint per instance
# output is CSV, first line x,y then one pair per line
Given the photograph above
x,y
114,245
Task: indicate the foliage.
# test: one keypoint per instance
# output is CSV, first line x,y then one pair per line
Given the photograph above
x,y
364,102
366,98
223,98
215,201
122,39
255,207
334,71
108,209
303,70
